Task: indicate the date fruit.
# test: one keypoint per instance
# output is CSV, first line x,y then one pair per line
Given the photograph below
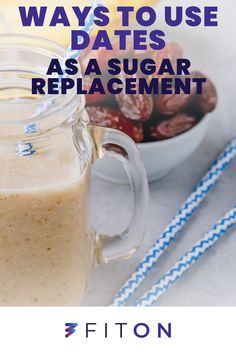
x,y
138,107
108,117
208,99
172,127
172,51
175,103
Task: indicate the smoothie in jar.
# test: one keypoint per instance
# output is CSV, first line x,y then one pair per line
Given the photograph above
x,y
46,249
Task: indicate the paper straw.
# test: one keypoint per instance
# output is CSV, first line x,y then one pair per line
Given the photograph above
x,y
183,215
28,149
73,54
89,24
190,258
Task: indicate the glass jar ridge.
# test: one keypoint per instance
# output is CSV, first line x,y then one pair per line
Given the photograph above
x,y
23,57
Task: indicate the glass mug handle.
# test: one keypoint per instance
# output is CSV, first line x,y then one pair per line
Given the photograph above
x,y
113,143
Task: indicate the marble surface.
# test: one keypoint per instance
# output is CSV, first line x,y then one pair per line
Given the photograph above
x,y
212,281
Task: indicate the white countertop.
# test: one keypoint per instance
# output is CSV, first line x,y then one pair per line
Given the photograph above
x,y
212,281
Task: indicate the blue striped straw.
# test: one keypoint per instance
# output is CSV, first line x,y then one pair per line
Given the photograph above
x,y
88,27
178,222
72,54
189,259
27,148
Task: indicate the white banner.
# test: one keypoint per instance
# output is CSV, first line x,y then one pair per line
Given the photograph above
x,y
117,330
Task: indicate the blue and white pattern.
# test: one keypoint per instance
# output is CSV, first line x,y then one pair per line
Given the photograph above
x,y
25,148
70,54
183,215
89,24
31,128
190,258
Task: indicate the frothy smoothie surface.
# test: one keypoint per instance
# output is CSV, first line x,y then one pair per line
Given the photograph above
x,y
46,249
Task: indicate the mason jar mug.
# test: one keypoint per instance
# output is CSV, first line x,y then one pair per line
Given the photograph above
x,y
47,148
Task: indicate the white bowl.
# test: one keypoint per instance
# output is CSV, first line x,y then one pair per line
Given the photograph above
x,y
159,157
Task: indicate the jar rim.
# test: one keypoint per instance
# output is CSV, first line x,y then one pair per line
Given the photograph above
x,y
60,102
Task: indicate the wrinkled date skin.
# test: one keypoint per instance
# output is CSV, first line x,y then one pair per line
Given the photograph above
x,y
175,103
145,117
137,107
208,99
108,117
172,51
172,127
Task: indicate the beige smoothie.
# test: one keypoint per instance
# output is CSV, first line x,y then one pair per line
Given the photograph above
x,y
46,247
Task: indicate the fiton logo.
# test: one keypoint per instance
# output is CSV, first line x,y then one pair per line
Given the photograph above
x,y
70,329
